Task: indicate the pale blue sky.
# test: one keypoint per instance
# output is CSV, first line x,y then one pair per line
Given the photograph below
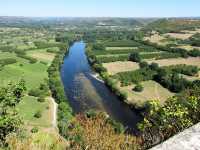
x,y
100,8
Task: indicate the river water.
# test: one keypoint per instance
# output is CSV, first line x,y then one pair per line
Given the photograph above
x,y
85,92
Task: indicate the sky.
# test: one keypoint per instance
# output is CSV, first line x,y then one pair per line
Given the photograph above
x,y
100,8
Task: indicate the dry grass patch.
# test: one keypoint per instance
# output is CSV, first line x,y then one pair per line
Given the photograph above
x,y
181,36
192,32
188,47
195,61
43,56
119,66
156,38
191,78
152,90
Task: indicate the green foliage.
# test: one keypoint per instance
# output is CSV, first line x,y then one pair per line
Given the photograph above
x,y
64,110
34,130
7,61
98,46
41,99
135,57
9,119
177,114
194,53
138,88
38,114
136,76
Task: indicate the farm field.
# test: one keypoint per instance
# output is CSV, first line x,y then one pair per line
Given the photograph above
x,y
42,55
121,48
181,36
176,61
33,51
156,38
152,91
116,67
29,106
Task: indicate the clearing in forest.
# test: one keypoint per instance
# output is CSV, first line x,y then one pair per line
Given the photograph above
x,y
119,66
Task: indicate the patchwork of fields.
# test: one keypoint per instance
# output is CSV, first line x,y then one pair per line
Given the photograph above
x,y
26,54
115,59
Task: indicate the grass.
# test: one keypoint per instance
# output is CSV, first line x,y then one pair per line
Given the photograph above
x,y
195,61
33,74
152,90
42,55
116,67
29,106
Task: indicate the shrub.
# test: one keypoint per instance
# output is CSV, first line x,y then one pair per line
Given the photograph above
x,y
154,66
34,130
135,57
41,99
98,46
38,114
35,92
7,61
138,88
143,64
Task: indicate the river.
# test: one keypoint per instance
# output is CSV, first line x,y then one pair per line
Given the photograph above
x,y
85,92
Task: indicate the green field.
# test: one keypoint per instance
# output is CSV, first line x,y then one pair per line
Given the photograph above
x,y
29,106
152,91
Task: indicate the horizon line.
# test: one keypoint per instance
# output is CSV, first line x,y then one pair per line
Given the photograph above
x,y
18,16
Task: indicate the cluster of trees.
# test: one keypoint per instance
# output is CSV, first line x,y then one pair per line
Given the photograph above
x,y
194,40
183,69
98,67
7,61
7,48
194,53
42,45
40,92
98,46
178,113
169,77
174,82
30,59
143,74
64,110
9,119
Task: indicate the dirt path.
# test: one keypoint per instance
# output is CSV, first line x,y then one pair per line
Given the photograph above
x,y
54,112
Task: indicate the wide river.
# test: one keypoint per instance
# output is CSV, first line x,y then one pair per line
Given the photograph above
x,y
85,92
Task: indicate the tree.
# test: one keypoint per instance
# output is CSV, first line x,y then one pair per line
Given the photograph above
x,y
138,88
9,119
135,57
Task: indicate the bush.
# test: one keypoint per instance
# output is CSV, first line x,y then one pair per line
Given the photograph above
x,y
135,57
38,114
98,46
7,61
154,66
35,92
34,130
138,88
143,64
41,99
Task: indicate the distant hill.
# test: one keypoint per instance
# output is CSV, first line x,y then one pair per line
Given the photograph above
x,y
173,24
64,22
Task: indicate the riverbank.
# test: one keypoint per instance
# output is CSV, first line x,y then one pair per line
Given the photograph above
x,y
87,91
